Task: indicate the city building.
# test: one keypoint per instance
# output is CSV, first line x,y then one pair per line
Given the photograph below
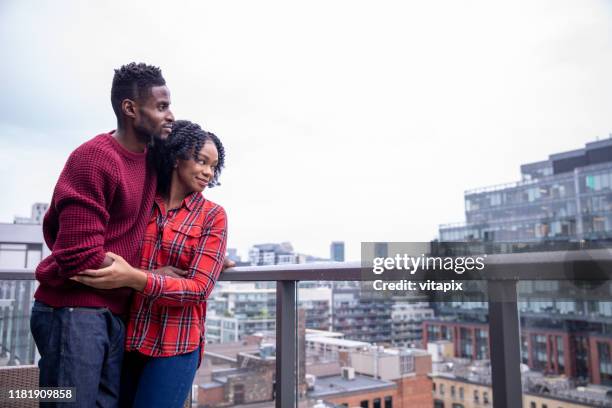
x,y
393,321
407,322
22,244
36,217
244,372
328,348
470,340
566,198
316,303
336,251
353,390
250,380
273,254
462,383
350,373
232,255
408,368
239,309
369,376
359,317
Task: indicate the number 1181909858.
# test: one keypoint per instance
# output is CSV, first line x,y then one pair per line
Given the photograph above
x,y
47,394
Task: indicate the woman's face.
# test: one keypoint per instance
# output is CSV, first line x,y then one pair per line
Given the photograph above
x,y
195,174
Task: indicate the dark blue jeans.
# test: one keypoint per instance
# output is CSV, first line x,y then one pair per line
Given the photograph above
x,y
157,381
79,347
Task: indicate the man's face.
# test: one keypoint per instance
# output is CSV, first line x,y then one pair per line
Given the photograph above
x,y
153,120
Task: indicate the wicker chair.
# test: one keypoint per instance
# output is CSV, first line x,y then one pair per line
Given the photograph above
x,y
19,378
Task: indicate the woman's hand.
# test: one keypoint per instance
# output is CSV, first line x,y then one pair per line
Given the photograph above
x,y
118,274
228,263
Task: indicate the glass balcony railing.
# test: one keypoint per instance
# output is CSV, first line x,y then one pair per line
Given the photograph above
x,y
278,358
16,297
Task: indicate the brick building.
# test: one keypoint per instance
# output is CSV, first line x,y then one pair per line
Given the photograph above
x,y
581,355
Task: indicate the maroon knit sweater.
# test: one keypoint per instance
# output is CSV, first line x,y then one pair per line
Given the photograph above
x,y
102,202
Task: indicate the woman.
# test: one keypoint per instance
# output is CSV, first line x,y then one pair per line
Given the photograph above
x,y
165,333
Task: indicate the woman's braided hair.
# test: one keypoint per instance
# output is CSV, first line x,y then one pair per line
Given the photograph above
x,y
184,142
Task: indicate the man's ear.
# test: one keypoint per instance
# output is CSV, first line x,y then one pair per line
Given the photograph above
x,y
128,107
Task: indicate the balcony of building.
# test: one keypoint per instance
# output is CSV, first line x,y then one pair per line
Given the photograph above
x,y
272,369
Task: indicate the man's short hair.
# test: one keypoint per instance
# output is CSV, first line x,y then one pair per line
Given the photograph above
x,y
134,81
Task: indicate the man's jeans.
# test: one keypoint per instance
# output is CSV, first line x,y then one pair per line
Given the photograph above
x,y
80,347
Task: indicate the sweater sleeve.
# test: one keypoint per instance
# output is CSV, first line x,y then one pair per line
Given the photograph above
x,y
83,195
205,267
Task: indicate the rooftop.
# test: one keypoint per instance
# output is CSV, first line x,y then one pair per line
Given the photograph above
x,y
337,342
534,383
336,384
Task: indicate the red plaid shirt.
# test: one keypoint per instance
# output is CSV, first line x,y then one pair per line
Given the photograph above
x,y
167,318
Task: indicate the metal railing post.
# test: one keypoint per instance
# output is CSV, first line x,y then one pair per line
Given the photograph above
x,y
504,335
13,319
286,340
5,316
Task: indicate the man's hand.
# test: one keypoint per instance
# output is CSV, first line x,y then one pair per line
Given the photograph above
x,y
118,274
171,271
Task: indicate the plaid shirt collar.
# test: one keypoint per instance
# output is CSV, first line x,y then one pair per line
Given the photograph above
x,y
189,202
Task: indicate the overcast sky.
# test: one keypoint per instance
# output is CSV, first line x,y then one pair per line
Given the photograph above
x,y
354,121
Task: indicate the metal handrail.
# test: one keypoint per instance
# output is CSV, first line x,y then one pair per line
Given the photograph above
x,y
591,264
552,265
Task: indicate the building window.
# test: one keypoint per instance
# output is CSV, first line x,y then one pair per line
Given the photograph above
x,y
381,249
461,392
441,389
452,391
539,356
532,405
485,398
365,404
476,396
388,401
376,403
560,354
458,405
605,363
465,345
434,386
438,404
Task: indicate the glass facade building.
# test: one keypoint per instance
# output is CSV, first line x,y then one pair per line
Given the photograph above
x,y
567,197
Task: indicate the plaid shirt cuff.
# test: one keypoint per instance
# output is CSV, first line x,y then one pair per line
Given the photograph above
x,y
154,285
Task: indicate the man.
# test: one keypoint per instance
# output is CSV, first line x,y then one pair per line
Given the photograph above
x,y
102,202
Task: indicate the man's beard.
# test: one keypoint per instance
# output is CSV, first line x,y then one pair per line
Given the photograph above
x,y
144,135
155,153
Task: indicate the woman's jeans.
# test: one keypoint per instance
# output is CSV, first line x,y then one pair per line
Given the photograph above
x,y
157,381
79,347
